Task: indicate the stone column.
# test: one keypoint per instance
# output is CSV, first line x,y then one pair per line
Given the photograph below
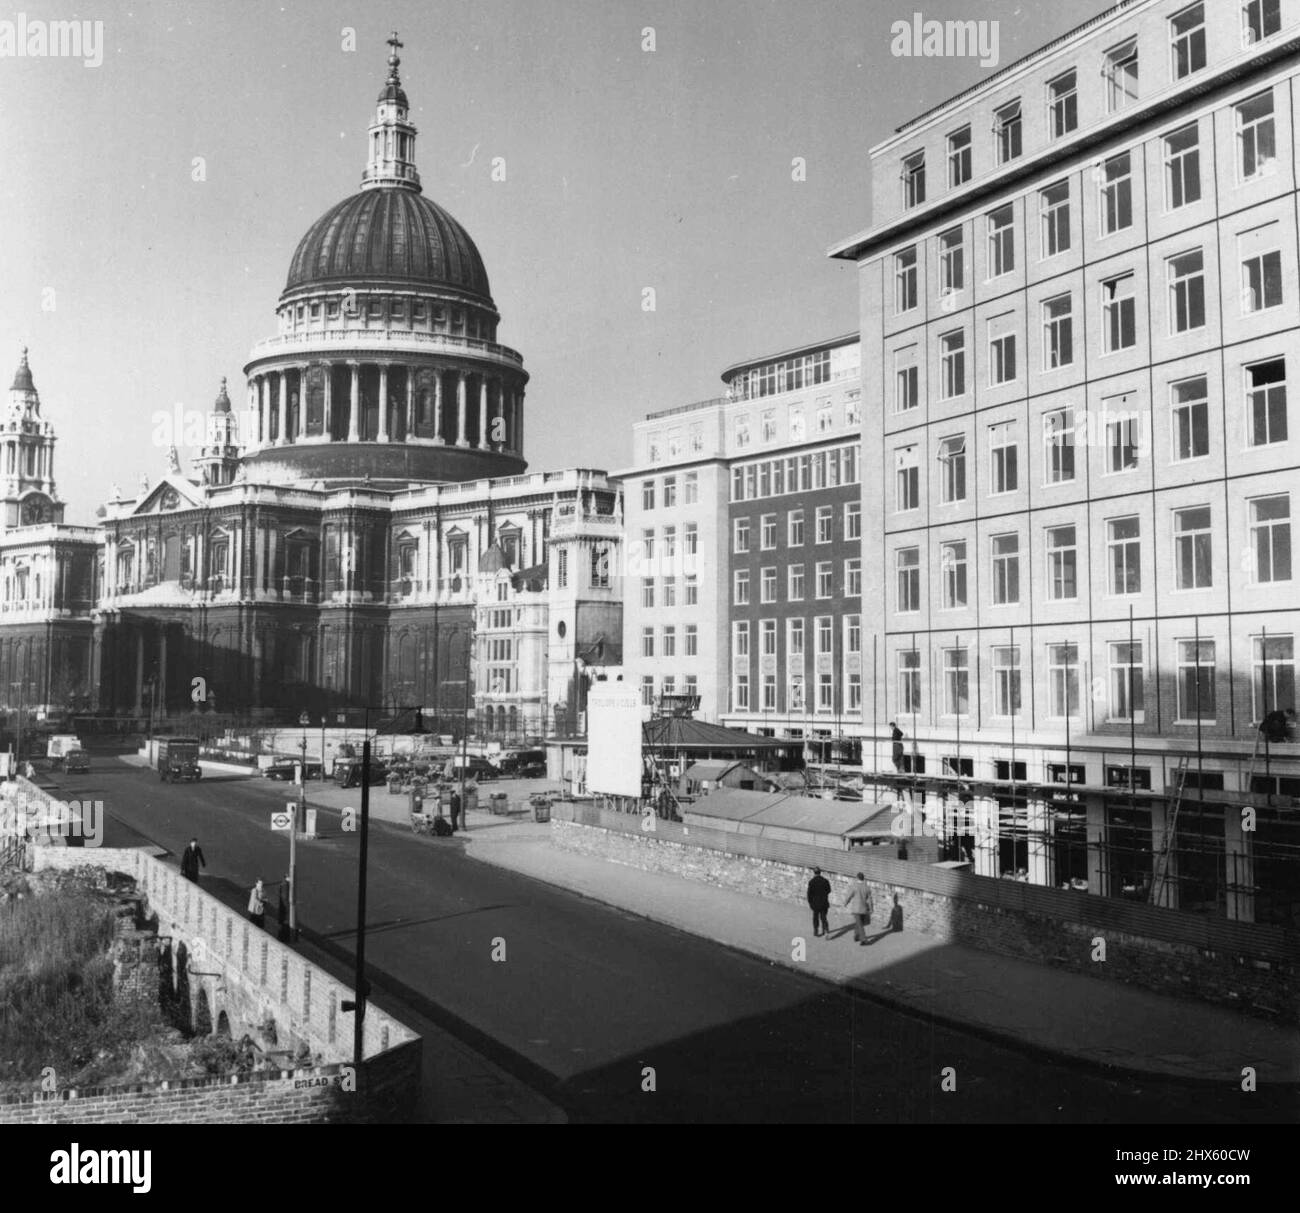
x,y
437,405
499,414
482,413
284,407
383,402
461,440
410,401
355,367
259,388
302,400
327,421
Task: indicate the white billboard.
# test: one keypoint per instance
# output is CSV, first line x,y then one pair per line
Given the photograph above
x,y
613,740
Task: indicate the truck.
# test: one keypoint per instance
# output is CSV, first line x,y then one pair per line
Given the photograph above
x,y
59,746
178,759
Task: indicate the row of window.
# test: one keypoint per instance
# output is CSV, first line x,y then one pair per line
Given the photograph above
x,y
667,641
666,595
1260,19
823,528
795,474
797,432
1266,558
690,494
824,577
741,700
1120,432
795,637
600,576
392,311
787,375
690,686
1120,695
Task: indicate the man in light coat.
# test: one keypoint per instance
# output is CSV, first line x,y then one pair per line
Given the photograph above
x,y
859,904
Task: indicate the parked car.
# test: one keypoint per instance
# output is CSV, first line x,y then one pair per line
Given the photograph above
x,y
347,772
473,767
524,764
76,762
287,768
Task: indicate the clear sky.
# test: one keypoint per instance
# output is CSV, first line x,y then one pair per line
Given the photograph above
x,y
137,286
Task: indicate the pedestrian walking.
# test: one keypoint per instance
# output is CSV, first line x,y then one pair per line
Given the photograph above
x,y
898,746
819,901
257,905
896,916
191,860
455,811
283,933
859,903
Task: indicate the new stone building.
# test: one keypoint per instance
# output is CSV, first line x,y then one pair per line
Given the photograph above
x,y
1079,288
363,532
744,529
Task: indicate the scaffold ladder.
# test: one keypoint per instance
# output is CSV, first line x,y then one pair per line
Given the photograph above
x,y
1171,830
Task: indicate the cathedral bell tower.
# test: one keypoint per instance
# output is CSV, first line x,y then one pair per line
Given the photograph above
x,y
218,459
27,457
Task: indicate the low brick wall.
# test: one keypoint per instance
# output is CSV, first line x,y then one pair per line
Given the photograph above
x,y
1252,968
245,977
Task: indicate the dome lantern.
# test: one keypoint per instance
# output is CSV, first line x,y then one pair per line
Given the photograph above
x,y
392,137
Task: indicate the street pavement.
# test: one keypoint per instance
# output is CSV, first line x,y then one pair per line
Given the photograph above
x,y
612,1017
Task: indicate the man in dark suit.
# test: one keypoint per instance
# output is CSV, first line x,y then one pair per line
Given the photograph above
x,y
819,901
191,860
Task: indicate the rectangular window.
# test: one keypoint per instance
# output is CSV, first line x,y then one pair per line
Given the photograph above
x,y
769,692
1266,402
1187,41
1122,441
796,580
1190,419
1124,550
1272,674
1182,167
670,545
1193,548
959,162
740,638
1062,563
1126,681
956,678
647,690
913,180
825,692
853,578
1186,274
691,489
825,635
740,536
692,640
1270,537
1256,142
647,494
741,584
1006,569
670,641
692,590
905,280
952,262
794,638
907,389
1054,218
1006,680
1261,281
794,536
952,560
670,491
1260,19
740,693
767,584
648,592
1063,680
1002,247
907,483
909,682
768,638
1058,443
670,591
767,532
647,642
952,361
1007,131
1121,72
952,461
1002,358
1119,313
853,633
825,577
1117,194
825,523
561,566
1063,105
854,692
1196,680
907,564
691,535
853,520
1058,332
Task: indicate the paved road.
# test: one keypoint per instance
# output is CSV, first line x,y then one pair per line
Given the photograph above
x,y
588,998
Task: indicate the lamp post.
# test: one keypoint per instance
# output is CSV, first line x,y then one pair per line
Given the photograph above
x,y
357,1005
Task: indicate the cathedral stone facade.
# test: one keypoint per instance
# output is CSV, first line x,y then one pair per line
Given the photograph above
x,y
362,533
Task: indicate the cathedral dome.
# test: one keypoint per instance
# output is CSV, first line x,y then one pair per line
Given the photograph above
x,y
388,236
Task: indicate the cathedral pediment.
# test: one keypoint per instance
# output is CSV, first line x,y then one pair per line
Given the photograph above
x,y
171,493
